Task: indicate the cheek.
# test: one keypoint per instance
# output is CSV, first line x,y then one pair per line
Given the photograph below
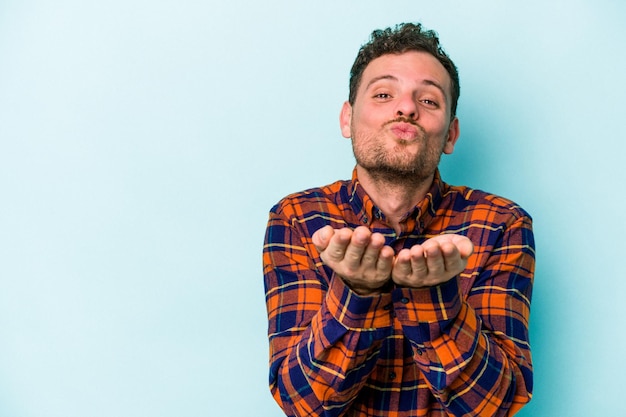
x,y
442,133
368,116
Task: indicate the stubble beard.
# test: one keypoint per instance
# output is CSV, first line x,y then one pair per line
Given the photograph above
x,y
396,167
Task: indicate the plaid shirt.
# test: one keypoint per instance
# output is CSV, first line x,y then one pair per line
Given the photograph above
x,y
460,348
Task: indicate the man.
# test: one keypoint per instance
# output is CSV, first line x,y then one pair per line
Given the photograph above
x,y
396,294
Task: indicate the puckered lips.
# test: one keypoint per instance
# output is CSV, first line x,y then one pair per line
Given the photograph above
x,y
405,131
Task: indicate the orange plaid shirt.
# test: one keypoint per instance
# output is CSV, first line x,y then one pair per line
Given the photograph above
x,y
457,349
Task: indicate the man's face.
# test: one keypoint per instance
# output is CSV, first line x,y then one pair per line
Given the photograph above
x,y
401,121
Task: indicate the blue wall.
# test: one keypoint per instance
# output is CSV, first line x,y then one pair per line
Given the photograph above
x,y
143,142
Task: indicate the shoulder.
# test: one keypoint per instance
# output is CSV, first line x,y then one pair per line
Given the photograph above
x,y
469,199
312,199
312,209
486,218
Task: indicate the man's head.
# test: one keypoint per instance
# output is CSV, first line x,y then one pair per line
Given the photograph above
x,y
403,38
401,111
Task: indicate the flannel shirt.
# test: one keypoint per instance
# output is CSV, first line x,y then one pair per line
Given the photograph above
x,y
457,349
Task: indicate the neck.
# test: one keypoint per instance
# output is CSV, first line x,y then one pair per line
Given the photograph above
x,y
394,196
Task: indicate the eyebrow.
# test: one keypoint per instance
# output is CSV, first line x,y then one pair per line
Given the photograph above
x,y
392,78
436,85
380,77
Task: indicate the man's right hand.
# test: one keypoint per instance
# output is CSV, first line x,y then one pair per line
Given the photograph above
x,y
358,256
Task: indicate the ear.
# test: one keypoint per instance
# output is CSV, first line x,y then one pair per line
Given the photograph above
x,y
345,120
453,134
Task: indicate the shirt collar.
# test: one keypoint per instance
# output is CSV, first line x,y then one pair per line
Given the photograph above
x,y
423,213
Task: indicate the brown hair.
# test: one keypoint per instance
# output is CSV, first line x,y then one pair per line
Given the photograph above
x,y
403,38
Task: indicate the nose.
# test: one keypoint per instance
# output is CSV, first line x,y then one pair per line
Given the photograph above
x,y
407,107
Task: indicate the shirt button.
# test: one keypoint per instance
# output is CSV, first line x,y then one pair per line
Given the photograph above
x,y
419,352
387,307
404,300
392,376
365,220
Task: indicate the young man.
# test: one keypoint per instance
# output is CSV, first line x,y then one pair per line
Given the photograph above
x,y
394,293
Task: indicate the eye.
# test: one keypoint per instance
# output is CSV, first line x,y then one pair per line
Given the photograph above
x,y
430,103
382,96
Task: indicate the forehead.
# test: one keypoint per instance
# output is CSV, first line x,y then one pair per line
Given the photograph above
x,y
412,67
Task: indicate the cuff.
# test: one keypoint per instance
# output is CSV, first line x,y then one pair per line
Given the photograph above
x,y
358,312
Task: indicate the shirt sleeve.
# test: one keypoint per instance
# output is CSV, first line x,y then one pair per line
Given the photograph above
x,y
324,338
474,349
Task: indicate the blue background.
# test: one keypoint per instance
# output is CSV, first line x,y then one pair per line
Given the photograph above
x,y
142,144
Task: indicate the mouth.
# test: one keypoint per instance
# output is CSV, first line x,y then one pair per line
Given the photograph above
x,y
405,131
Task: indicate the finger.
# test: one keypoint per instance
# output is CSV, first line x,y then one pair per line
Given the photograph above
x,y
322,237
359,240
337,245
434,258
449,249
372,253
453,262
401,271
418,262
385,261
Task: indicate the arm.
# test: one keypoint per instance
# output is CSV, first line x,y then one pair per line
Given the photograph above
x,y
473,349
324,338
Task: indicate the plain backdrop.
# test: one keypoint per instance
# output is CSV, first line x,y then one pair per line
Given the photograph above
x,y
142,144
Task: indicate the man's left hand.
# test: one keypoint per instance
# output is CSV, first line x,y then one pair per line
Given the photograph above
x,y
433,262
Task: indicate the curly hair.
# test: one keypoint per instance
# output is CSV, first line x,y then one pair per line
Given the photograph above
x,y
403,38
